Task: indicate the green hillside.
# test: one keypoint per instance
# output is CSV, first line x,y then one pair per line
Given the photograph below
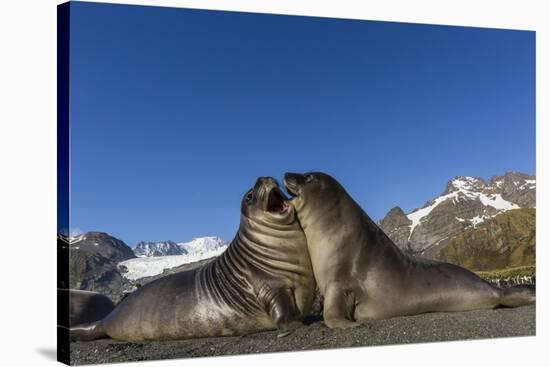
x,y
505,241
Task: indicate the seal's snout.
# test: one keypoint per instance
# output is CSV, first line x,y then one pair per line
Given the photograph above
x,y
273,199
267,181
291,182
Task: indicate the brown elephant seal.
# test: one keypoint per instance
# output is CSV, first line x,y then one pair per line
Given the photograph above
x,y
263,281
363,275
85,306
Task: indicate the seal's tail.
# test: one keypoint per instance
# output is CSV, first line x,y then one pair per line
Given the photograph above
x,y
517,296
90,331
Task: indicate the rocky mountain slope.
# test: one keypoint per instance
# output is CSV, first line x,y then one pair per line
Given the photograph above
x,y
93,261
465,203
102,263
507,240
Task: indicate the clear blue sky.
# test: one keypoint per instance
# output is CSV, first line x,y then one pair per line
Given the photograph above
x,y
175,112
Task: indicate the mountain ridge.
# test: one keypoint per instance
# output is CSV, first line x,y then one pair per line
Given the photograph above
x,y
197,245
465,202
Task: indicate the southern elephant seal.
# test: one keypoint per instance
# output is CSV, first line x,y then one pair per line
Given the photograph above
x,y
85,306
363,275
263,281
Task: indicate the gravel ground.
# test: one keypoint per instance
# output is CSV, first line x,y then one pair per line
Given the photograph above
x,y
424,328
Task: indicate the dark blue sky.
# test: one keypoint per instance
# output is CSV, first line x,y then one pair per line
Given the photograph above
x,y
175,112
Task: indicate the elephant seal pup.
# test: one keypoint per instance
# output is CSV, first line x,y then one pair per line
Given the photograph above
x,y
263,281
363,275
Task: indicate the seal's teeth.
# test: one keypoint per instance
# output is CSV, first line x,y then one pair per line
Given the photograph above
x,y
285,207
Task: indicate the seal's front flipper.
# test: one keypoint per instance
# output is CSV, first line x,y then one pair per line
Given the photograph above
x,y
282,334
283,310
287,328
339,307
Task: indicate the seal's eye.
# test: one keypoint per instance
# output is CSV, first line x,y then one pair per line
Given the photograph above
x,y
309,178
249,197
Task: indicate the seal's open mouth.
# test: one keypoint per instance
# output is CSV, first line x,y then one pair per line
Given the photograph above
x,y
276,202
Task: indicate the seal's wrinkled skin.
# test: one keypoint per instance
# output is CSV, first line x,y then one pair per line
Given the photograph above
x,y
363,275
263,281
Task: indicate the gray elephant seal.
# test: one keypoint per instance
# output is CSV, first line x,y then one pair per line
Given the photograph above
x,y
263,281
363,275
85,306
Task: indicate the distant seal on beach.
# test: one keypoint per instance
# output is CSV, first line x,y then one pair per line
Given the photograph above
x,y
86,306
263,281
363,275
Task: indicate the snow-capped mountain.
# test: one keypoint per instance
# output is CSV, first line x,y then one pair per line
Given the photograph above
x,y
203,247
149,249
465,203
150,265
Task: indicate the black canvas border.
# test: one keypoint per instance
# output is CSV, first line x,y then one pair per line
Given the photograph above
x,y
63,179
